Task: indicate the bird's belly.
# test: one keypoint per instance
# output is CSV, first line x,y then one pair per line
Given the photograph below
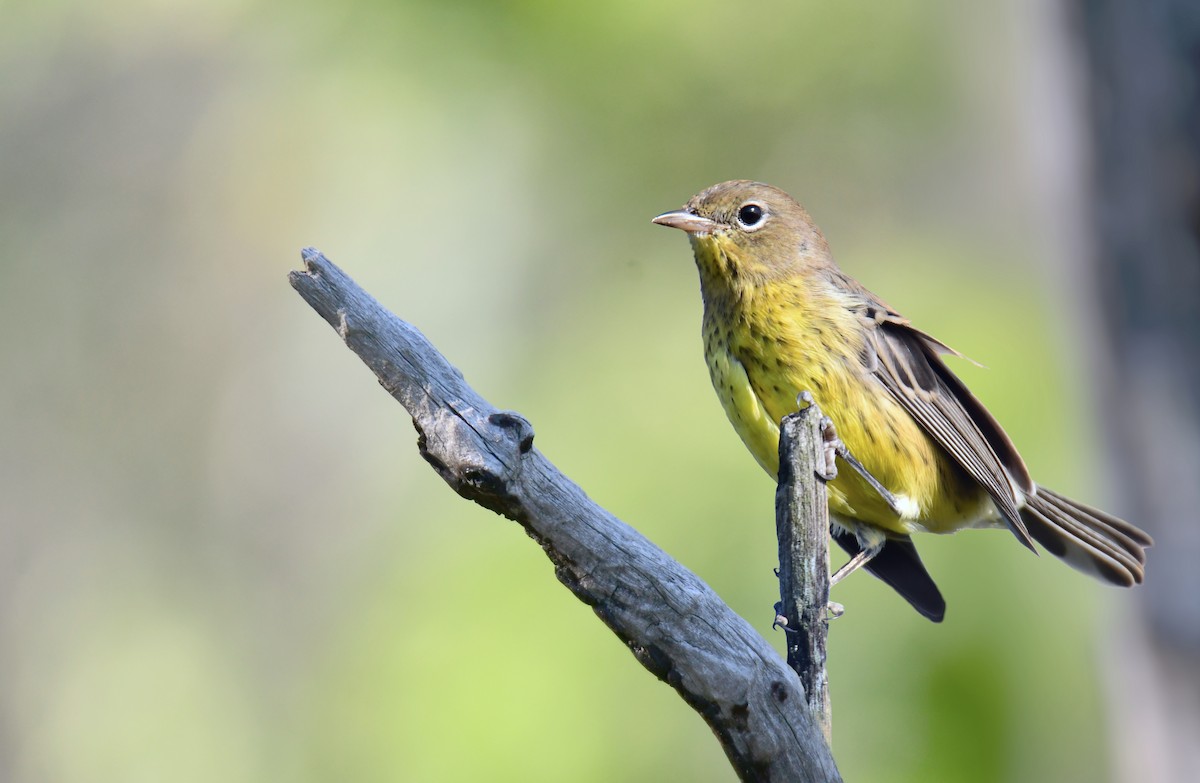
x,y
934,493
757,428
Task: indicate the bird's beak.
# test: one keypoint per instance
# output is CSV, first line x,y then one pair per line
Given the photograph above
x,y
688,221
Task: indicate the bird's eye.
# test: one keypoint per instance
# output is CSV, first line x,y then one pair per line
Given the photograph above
x,y
750,215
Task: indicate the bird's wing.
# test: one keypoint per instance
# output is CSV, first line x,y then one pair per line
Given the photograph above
x,y
908,363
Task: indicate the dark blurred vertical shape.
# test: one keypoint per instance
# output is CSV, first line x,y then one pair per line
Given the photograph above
x,y
1143,63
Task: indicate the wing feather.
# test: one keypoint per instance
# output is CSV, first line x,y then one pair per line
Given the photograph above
x,y
908,363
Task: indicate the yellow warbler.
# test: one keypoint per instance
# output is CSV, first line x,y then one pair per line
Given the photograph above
x,y
781,318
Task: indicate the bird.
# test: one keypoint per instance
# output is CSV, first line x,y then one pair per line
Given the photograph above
x,y
781,319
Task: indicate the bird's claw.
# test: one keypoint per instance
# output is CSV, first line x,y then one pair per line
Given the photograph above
x,y
781,620
830,446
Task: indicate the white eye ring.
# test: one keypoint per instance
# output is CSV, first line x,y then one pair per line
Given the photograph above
x,y
752,216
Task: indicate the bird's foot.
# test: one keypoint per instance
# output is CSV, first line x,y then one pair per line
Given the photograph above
x,y
781,620
830,444
833,610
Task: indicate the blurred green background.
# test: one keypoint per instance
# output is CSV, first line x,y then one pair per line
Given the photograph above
x,y
222,557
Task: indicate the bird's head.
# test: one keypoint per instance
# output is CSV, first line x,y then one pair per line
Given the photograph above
x,y
747,232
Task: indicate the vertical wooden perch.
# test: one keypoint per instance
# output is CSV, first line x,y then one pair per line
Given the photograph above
x,y
802,525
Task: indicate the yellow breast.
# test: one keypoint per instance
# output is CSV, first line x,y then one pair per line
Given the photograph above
x,y
767,345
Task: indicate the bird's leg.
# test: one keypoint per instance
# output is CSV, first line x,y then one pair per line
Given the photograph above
x,y
853,462
834,447
853,564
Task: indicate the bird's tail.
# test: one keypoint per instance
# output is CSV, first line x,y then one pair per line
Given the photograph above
x,y
899,566
1086,538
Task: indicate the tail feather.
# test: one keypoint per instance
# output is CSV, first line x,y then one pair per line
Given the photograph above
x,y
1087,538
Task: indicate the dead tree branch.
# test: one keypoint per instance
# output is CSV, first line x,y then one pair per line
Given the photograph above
x,y
674,624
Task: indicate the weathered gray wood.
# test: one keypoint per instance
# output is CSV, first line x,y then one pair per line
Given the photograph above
x,y
802,527
674,624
